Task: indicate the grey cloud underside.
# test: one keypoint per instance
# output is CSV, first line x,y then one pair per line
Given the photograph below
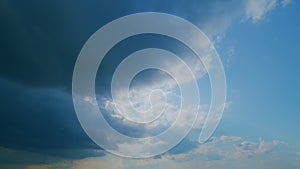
x,y
40,41
40,119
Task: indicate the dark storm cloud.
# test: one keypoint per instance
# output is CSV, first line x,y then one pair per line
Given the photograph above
x,y
40,119
40,40
39,44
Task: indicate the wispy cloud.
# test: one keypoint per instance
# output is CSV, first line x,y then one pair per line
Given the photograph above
x,y
257,9
284,3
230,138
298,156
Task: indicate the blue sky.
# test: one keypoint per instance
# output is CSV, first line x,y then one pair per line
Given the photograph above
x,y
266,63
258,43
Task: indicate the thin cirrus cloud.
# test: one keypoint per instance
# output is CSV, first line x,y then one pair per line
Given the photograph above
x,y
298,156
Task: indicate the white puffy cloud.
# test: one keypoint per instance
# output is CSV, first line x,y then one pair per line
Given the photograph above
x,y
232,148
216,25
220,152
254,10
250,148
139,98
210,155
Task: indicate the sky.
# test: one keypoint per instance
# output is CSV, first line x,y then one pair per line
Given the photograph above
x,y
257,42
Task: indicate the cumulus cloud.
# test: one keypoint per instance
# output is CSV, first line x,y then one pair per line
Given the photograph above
x,y
249,148
213,154
250,10
139,98
231,148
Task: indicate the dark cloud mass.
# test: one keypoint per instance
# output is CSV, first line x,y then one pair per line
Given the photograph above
x,y
39,119
39,44
40,41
